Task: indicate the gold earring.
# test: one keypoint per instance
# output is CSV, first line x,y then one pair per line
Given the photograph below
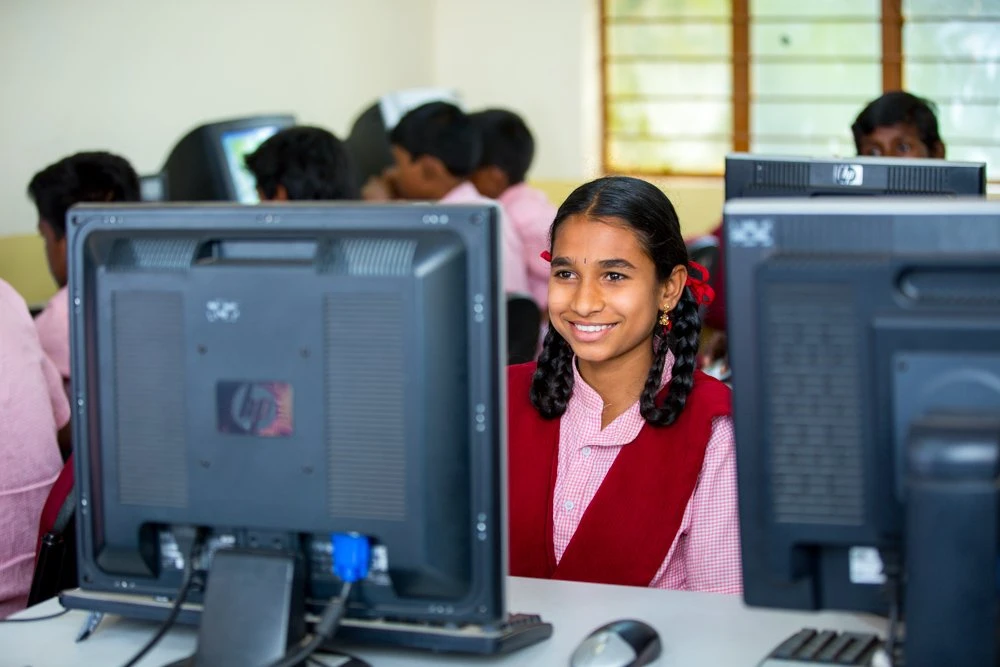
x,y
664,318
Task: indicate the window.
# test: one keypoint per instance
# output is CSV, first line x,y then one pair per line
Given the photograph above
x,y
686,81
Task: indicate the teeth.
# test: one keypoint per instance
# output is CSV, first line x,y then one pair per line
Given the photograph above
x,y
593,328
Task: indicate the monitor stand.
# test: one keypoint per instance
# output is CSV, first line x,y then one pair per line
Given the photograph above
x,y
951,603
254,609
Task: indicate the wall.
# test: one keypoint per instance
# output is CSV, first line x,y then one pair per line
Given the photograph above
x,y
132,76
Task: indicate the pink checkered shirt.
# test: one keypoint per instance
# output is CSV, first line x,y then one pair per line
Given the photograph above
x,y
705,554
33,406
53,331
515,277
531,214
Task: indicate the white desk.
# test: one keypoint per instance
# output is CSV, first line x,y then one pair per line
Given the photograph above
x,y
697,630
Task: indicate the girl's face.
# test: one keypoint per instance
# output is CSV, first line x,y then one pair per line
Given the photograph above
x,y
604,295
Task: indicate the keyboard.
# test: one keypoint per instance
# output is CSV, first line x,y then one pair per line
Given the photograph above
x,y
810,647
515,632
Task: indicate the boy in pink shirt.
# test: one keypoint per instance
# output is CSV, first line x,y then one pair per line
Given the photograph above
x,y
436,149
84,177
33,407
508,149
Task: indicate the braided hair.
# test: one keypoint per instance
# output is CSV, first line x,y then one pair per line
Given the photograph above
x,y
649,214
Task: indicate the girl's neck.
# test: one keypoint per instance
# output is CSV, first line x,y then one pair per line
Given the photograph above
x,y
620,381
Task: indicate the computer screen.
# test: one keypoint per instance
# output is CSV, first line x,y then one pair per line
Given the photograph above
x,y
751,175
236,145
864,343
207,163
275,374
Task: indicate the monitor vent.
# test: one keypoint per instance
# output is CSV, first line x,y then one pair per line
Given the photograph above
x,y
917,180
781,173
814,413
366,436
369,257
164,254
148,332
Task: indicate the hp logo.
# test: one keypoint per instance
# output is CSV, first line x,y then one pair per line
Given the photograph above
x,y
848,174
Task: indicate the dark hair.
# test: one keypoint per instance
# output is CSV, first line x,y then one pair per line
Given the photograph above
x,y
507,142
646,211
443,131
85,177
310,162
894,108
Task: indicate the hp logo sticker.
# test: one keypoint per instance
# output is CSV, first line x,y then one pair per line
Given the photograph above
x,y
848,174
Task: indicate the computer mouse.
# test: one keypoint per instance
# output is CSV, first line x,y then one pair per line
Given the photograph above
x,y
627,643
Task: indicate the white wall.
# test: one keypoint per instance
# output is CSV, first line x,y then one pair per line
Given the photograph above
x,y
132,76
540,58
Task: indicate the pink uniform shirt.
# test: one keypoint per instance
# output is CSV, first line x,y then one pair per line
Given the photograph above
x,y
531,214
33,407
705,555
53,331
515,279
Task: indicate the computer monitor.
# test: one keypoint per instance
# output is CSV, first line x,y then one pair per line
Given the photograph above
x,y
751,175
275,374
207,164
368,140
864,335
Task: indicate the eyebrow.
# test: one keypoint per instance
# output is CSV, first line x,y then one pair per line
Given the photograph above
x,y
615,263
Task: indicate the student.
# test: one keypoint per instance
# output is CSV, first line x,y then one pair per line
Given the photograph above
x,y
621,460
508,149
84,177
898,124
302,163
33,407
436,148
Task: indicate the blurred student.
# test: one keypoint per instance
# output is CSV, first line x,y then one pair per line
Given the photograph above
x,y
508,150
302,163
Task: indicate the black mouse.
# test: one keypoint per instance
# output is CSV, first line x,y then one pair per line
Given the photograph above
x,y
627,643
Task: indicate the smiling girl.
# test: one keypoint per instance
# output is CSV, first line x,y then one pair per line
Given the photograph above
x,y
622,468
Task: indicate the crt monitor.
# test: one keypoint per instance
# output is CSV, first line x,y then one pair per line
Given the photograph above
x,y
272,375
207,163
368,141
864,341
751,175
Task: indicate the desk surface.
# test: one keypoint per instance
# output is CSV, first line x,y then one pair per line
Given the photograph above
x,y
696,629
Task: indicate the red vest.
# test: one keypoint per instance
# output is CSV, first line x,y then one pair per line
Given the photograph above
x,y
628,528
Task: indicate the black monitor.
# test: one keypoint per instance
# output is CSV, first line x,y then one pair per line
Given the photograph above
x,y
751,175
207,164
865,342
277,374
368,141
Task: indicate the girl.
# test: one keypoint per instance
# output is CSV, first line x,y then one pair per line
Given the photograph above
x,y
622,469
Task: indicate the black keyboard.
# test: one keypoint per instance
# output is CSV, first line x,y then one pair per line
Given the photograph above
x,y
517,631
810,647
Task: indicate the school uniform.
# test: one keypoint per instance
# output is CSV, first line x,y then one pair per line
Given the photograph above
x,y
531,214
33,407
630,504
52,325
515,279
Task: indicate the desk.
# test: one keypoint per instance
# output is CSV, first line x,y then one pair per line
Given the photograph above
x,y
697,629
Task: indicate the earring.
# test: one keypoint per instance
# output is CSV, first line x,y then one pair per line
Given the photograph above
x,y
665,319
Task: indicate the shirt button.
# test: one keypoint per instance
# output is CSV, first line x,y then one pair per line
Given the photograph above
x,y
585,452
568,505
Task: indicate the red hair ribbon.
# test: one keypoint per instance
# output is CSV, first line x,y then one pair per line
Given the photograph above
x,y
546,255
700,289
